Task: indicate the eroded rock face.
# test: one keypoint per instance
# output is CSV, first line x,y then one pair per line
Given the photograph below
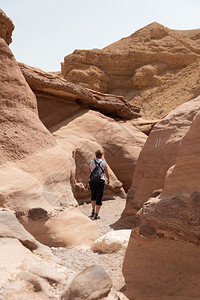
x,y
157,156
63,109
88,131
49,86
173,241
35,171
179,200
6,27
148,68
171,269
22,131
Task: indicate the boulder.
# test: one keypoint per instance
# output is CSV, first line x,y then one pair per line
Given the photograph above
x,y
155,68
92,283
112,241
157,156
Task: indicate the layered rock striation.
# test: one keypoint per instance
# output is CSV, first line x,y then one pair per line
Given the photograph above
x,y
168,232
144,68
157,156
49,86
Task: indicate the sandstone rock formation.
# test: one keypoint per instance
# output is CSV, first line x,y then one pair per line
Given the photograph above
x,y
121,143
112,241
30,158
168,232
41,174
157,156
148,68
18,113
64,109
47,86
6,27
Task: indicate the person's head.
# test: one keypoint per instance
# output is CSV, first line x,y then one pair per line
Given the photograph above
x,y
99,154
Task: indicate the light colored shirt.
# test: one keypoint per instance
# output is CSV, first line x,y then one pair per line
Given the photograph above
x,y
101,162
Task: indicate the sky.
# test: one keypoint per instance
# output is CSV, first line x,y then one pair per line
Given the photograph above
x,y
48,30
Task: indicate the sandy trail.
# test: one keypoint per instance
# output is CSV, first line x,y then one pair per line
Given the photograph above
x,y
78,259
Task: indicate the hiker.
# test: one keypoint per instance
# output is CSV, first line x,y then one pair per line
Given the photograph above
x,y
96,170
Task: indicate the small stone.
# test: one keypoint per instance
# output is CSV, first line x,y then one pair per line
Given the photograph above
x,y
37,213
147,230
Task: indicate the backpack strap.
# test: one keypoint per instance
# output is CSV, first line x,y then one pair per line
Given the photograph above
x,y
98,164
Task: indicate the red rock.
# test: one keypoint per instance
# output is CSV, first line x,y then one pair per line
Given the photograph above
x,y
6,27
35,171
22,131
157,156
170,256
157,268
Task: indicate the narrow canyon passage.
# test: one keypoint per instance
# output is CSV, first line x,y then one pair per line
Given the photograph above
x,y
78,259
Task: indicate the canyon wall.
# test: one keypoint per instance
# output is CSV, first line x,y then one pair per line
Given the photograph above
x,y
157,156
168,232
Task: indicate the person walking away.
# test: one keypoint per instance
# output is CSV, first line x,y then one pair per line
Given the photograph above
x,y
96,179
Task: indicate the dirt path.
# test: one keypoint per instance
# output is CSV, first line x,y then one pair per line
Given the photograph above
x,y
77,260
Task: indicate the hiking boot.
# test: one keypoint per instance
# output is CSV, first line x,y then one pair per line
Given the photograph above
x,y
92,214
96,217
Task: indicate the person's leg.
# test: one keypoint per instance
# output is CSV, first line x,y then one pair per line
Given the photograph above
x,y
93,197
98,209
100,192
93,208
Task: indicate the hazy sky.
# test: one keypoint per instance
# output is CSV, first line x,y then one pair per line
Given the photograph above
x,y
47,30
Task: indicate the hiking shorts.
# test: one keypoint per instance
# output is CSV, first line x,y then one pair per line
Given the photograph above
x,y
97,191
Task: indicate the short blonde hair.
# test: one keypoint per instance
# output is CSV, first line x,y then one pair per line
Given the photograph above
x,y
99,154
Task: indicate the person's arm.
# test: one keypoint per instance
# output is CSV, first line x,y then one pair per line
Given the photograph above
x,y
87,177
107,175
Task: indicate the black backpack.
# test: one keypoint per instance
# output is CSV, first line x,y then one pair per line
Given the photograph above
x,y
95,175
